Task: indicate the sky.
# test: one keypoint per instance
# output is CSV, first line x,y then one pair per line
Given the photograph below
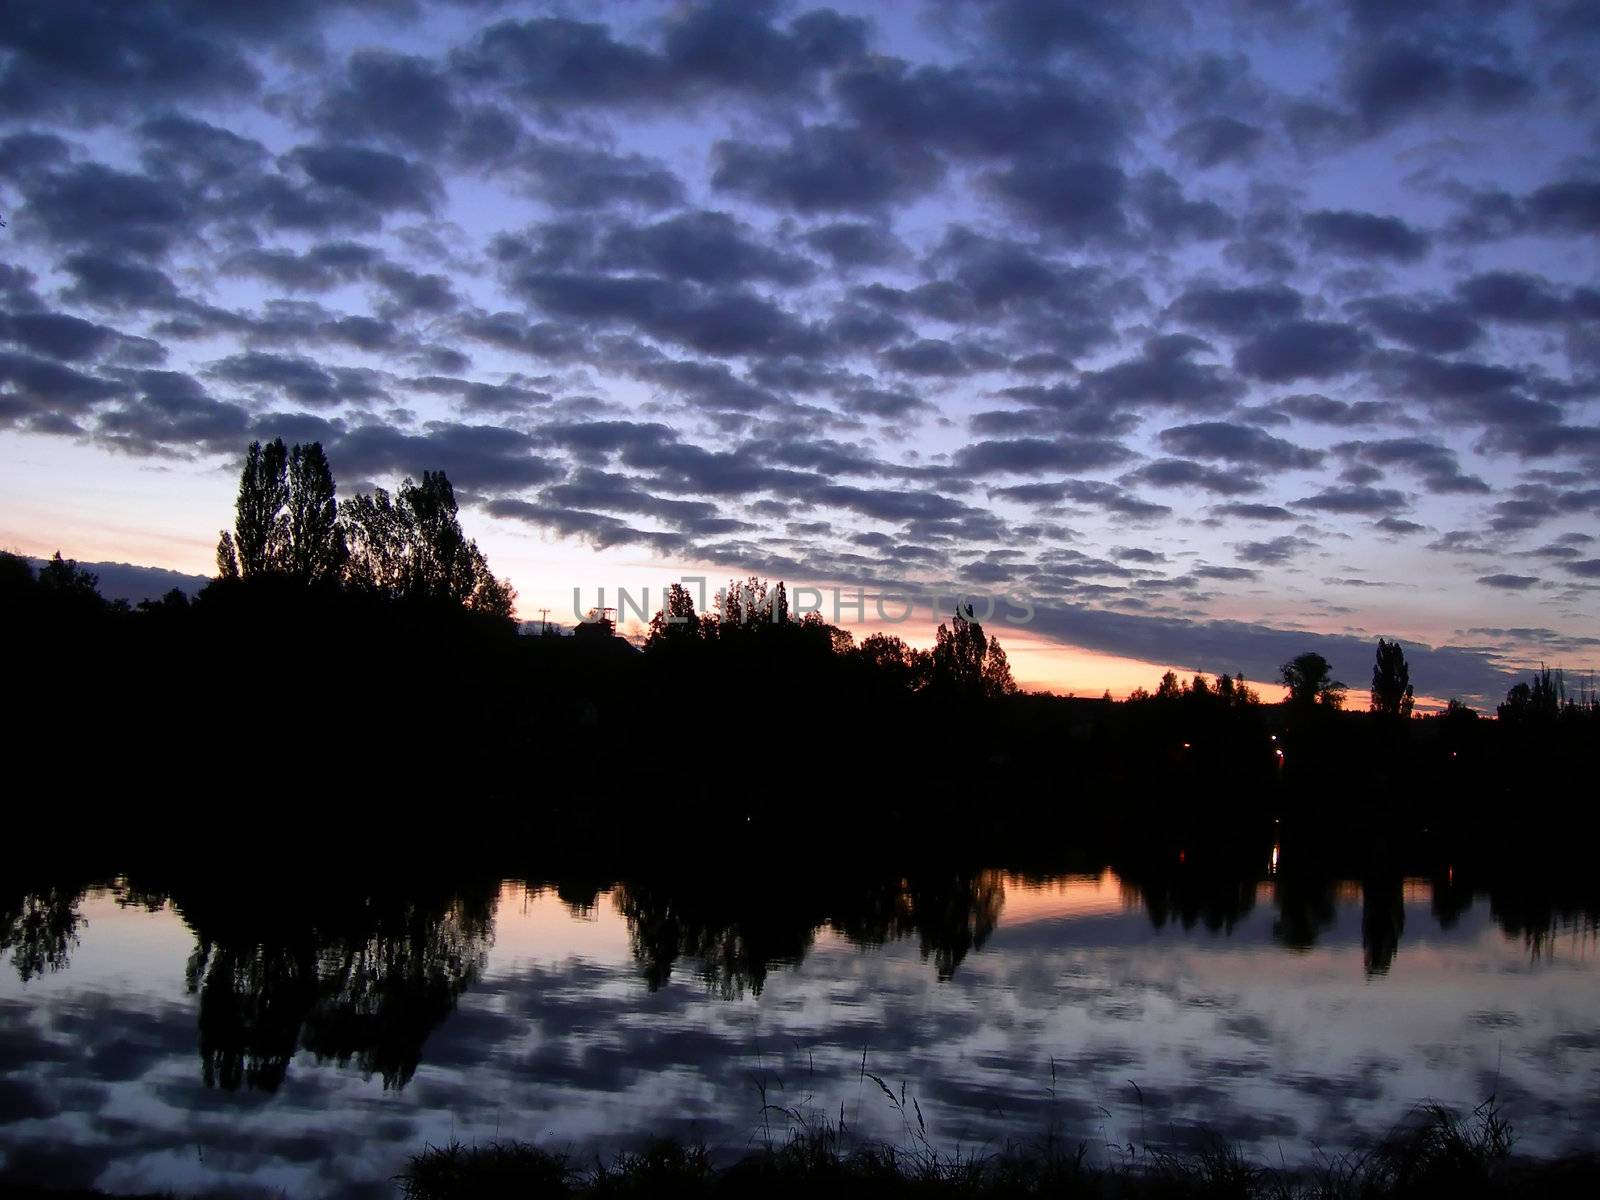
x,y
1191,336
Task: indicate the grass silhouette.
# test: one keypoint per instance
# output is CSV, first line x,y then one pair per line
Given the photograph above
x,y
1434,1153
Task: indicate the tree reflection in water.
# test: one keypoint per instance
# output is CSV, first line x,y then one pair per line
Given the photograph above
x,y
362,973
737,934
40,928
358,977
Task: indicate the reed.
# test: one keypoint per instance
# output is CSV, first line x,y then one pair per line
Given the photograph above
x,y
1434,1154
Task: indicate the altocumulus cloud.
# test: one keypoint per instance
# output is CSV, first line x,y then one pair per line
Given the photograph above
x,y
961,296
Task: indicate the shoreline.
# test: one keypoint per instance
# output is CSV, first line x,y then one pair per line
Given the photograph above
x,y
1433,1152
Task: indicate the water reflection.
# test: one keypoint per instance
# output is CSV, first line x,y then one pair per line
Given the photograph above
x,y
362,976
40,929
360,979
587,1006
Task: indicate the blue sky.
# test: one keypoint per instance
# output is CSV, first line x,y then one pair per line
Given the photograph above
x,y
1217,332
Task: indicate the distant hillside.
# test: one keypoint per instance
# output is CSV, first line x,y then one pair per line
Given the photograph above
x,y
125,581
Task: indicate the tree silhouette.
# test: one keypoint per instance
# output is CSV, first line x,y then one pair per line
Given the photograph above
x,y
1309,678
838,641
1518,703
410,546
286,518
676,621
748,604
1391,681
966,663
1548,694
227,557
1241,694
442,565
891,659
65,578
1540,702
376,541
260,529
316,549
958,653
997,679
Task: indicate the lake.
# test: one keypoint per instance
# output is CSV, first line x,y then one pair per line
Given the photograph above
x,y
273,1032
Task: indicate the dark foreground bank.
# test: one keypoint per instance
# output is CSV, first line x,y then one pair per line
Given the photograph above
x,y
1435,1153
1438,1157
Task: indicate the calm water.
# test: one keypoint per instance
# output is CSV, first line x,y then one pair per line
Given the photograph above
x,y
236,1034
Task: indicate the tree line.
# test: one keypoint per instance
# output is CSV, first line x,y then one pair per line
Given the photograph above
x,y
371,631
964,662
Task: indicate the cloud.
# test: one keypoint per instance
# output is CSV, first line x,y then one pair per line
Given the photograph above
x,y
197,152
169,412
554,60
709,384
1164,374
1569,206
855,244
1253,512
825,169
1092,36
1295,350
1435,464
1432,327
1322,410
300,379
1532,504
571,176
97,207
1171,217
1181,472
1079,202
1520,297
1391,80
89,61
707,247
1364,235
374,179
1093,493
712,320
38,387
1213,141
1509,583
321,267
1287,548
1258,650
1239,444
476,395
1355,499
971,113
411,103
67,338
1237,310
734,45
1034,456
1561,208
